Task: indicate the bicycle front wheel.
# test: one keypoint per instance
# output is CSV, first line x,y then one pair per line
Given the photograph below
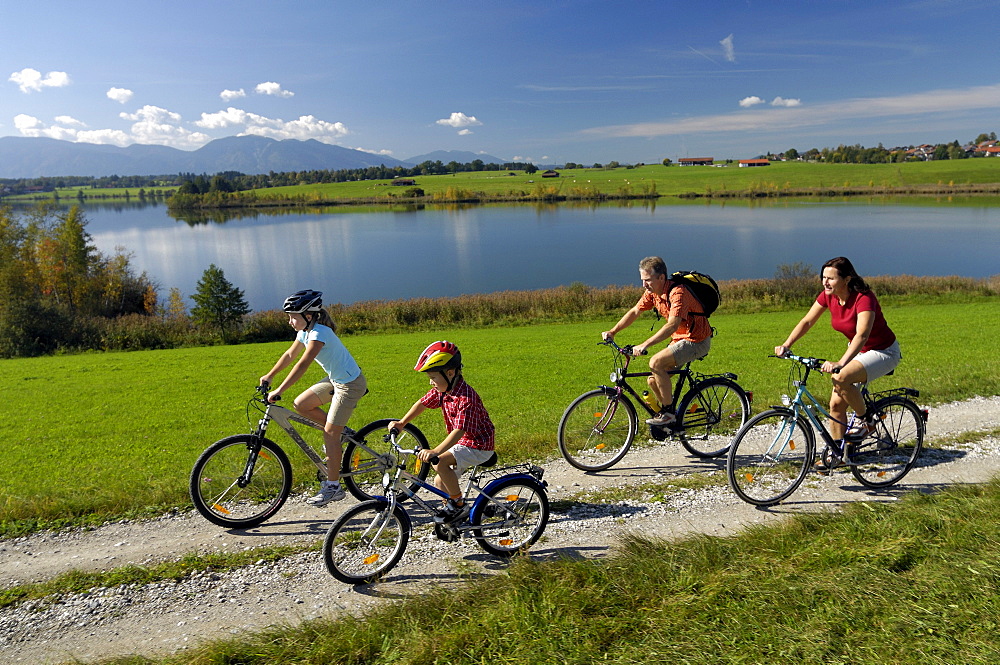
x,y
597,429
224,496
710,415
512,518
366,542
770,457
886,456
362,471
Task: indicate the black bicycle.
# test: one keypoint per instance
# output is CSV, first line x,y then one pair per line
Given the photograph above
x,y
599,426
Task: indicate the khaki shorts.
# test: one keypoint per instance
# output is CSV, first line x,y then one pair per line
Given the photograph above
x,y
685,351
342,397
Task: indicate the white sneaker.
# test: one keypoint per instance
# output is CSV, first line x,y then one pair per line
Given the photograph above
x,y
328,491
662,419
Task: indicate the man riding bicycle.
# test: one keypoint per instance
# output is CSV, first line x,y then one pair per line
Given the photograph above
x,y
686,326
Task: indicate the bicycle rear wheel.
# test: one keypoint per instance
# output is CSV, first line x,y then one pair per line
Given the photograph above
x,y
596,430
709,416
513,518
222,495
886,456
362,472
366,542
770,457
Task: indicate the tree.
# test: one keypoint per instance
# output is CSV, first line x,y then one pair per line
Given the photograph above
x,y
667,161
218,304
530,168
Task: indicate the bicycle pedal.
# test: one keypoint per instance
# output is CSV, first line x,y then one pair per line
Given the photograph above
x,y
445,532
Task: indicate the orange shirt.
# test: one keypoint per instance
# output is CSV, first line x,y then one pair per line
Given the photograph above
x,y
680,303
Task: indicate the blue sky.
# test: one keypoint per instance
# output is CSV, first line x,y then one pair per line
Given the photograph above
x,y
545,81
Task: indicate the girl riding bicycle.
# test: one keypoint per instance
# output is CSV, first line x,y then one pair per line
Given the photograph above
x,y
872,351
342,388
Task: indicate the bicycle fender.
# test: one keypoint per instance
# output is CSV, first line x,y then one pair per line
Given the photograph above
x,y
481,501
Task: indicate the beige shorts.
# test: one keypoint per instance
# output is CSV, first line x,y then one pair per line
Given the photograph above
x,y
342,397
685,351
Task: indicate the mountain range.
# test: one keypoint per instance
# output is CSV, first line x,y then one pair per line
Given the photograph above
x,y
23,157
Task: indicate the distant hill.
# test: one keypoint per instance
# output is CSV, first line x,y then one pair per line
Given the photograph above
x,y
22,157
458,156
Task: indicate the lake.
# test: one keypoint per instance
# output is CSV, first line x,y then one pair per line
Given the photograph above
x,y
354,255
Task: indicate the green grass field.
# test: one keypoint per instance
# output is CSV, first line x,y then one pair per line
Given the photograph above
x,y
111,434
667,181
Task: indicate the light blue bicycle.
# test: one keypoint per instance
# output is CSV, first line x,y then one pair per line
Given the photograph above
x,y
772,453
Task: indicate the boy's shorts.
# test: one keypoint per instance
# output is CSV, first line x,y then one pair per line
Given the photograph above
x,y
466,457
878,363
685,351
343,398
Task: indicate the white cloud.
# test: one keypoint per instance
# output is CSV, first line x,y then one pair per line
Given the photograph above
x,y
120,95
753,100
464,132
31,126
158,126
230,95
69,120
727,49
24,122
780,101
305,127
274,89
105,137
459,119
957,100
29,80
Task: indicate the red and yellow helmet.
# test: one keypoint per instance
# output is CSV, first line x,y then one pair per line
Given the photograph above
x,y
439,357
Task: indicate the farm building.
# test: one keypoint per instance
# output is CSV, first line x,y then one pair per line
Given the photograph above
x,y
754,162
695,161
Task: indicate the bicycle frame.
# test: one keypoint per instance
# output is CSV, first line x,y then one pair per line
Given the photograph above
x,y
284,418
398,481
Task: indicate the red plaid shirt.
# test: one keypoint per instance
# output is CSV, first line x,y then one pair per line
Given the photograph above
x,y
463,409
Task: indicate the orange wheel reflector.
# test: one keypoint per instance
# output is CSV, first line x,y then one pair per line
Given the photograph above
x,y
356,461
220,509
749,477
791,444
598,415
599,446
369,560
507,542
263,454
513,497
880,474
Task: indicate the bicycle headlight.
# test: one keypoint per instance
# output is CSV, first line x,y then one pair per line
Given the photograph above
x,y
615,375
786,400
386,479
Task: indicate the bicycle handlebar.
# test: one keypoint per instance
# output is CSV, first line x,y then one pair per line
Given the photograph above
x,y
811,363
626,350
391,438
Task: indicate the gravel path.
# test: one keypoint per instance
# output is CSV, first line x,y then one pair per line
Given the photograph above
x,y
167,617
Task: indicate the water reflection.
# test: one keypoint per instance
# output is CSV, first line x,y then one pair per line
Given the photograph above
x,y
406,251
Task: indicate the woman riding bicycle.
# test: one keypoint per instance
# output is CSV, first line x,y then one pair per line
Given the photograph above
x,y
872,350
342,388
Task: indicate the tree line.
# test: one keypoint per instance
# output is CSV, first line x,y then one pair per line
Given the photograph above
x,y
59,293
859,154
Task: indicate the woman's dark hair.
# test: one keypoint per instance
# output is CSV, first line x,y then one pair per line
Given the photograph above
x,y
845,268
323,318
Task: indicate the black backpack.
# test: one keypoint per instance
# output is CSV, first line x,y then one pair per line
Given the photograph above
x,y
702,287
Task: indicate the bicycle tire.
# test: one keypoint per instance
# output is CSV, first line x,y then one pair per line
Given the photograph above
x,y
215,482
770,456
709,416
883,458
512,518
368,485
597,429
366,542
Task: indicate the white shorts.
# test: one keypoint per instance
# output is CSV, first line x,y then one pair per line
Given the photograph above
x,y
879,362
466,457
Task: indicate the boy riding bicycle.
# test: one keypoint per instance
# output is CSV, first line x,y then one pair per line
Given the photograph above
x,y
686,325
469,441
